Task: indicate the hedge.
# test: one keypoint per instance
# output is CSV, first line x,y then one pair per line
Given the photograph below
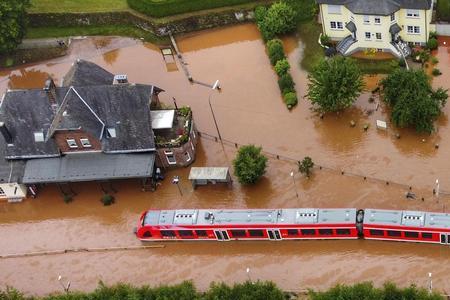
x,y
164,8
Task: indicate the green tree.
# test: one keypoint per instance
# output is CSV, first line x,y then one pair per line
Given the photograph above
x,y
249,164
275,50
305,166
413,101
280,18
335,84
12,25
282,67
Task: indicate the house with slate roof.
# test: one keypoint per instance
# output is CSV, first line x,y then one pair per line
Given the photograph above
x,y
95,127
385,25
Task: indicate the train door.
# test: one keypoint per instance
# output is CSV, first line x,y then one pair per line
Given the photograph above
x,y
274,234
221,235
445,238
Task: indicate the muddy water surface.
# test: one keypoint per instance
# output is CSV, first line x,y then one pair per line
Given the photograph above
x,y
249,110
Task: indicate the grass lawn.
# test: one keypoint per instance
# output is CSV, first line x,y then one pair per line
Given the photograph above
x,y
309,33
443,10
77,5
369,66
119,30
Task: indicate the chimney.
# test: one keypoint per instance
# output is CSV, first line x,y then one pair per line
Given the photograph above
x,y
6,134
120,79
50,89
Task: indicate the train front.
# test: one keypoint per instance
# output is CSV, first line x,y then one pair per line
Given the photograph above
x,y
145,230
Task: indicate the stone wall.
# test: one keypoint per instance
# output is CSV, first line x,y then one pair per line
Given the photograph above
x,y
158,27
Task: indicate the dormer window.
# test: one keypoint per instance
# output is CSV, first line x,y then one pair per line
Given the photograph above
x,y
111,132
39,136
85,142
72,143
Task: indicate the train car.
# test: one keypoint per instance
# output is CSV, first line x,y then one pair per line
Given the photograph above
x,y
248,224
410,226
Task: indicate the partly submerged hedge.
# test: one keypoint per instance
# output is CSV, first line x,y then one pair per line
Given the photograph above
x,y
164,8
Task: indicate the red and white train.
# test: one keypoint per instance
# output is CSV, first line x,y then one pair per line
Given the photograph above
x,y
293,224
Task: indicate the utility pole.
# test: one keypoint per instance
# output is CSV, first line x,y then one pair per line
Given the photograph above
x,y
293,180
176,180
66,286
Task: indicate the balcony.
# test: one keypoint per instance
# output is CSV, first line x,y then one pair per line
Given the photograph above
x,y
173,127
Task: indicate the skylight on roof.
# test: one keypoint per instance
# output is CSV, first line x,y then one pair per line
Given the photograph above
x,y
111,132
39,136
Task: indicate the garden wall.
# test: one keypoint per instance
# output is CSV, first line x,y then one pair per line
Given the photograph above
x,y
159,28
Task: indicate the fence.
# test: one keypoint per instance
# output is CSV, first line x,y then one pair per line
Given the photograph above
x,y
443,29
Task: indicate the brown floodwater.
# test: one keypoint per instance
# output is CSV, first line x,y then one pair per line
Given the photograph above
x,y
249,110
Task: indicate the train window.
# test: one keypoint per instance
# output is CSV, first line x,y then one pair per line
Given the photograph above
x,y
376,232
326,231
394,233
411,234
201,233
255,232
308,231
238,233
185,233
292,231
147,234
443,239
168,233
343,231
427,235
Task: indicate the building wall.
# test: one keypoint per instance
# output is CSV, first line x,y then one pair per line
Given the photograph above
x,y
345,16
184,155
13,192
61,137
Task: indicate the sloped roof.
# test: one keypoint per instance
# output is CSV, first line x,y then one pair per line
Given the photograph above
x,y
88,167
84,73
378,7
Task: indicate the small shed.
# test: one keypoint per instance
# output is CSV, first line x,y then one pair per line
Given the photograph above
x,y
209,175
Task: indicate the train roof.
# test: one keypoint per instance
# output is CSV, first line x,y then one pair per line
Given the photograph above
x,y
406,218
250,216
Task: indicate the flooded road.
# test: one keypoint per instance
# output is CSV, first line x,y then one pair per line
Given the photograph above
x,y
249,110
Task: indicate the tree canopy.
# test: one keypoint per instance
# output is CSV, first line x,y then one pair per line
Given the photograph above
x,y
280,18
12,25
335,84
413,101
249,164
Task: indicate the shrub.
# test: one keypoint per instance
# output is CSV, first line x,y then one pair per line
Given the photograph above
x,y
433,35
401,63
305,166
436,72
276,51
249,164
286,84
107,199
282,67
434,60
279,19
325,40
432,44
290,99
67,198
260,14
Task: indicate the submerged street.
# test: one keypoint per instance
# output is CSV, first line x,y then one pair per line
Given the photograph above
x,y
249,109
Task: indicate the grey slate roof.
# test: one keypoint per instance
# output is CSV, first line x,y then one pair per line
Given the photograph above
x,y
25,112
83,73
378,7
93,108
88,167
351,26
395,28
10,171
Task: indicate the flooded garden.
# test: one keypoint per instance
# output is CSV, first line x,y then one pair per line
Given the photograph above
x,y
359,168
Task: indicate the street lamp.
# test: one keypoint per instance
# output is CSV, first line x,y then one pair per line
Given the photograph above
x,y
248,275
66,286
293,180
215,86
176,180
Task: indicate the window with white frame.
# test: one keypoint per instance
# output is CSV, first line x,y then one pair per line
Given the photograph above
x,y
368,35
187,156
377,20
366,20
413,29
412,13
85,142
378,35
170,157
340,25
2,192
72,143
334,9
336,25
393,17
